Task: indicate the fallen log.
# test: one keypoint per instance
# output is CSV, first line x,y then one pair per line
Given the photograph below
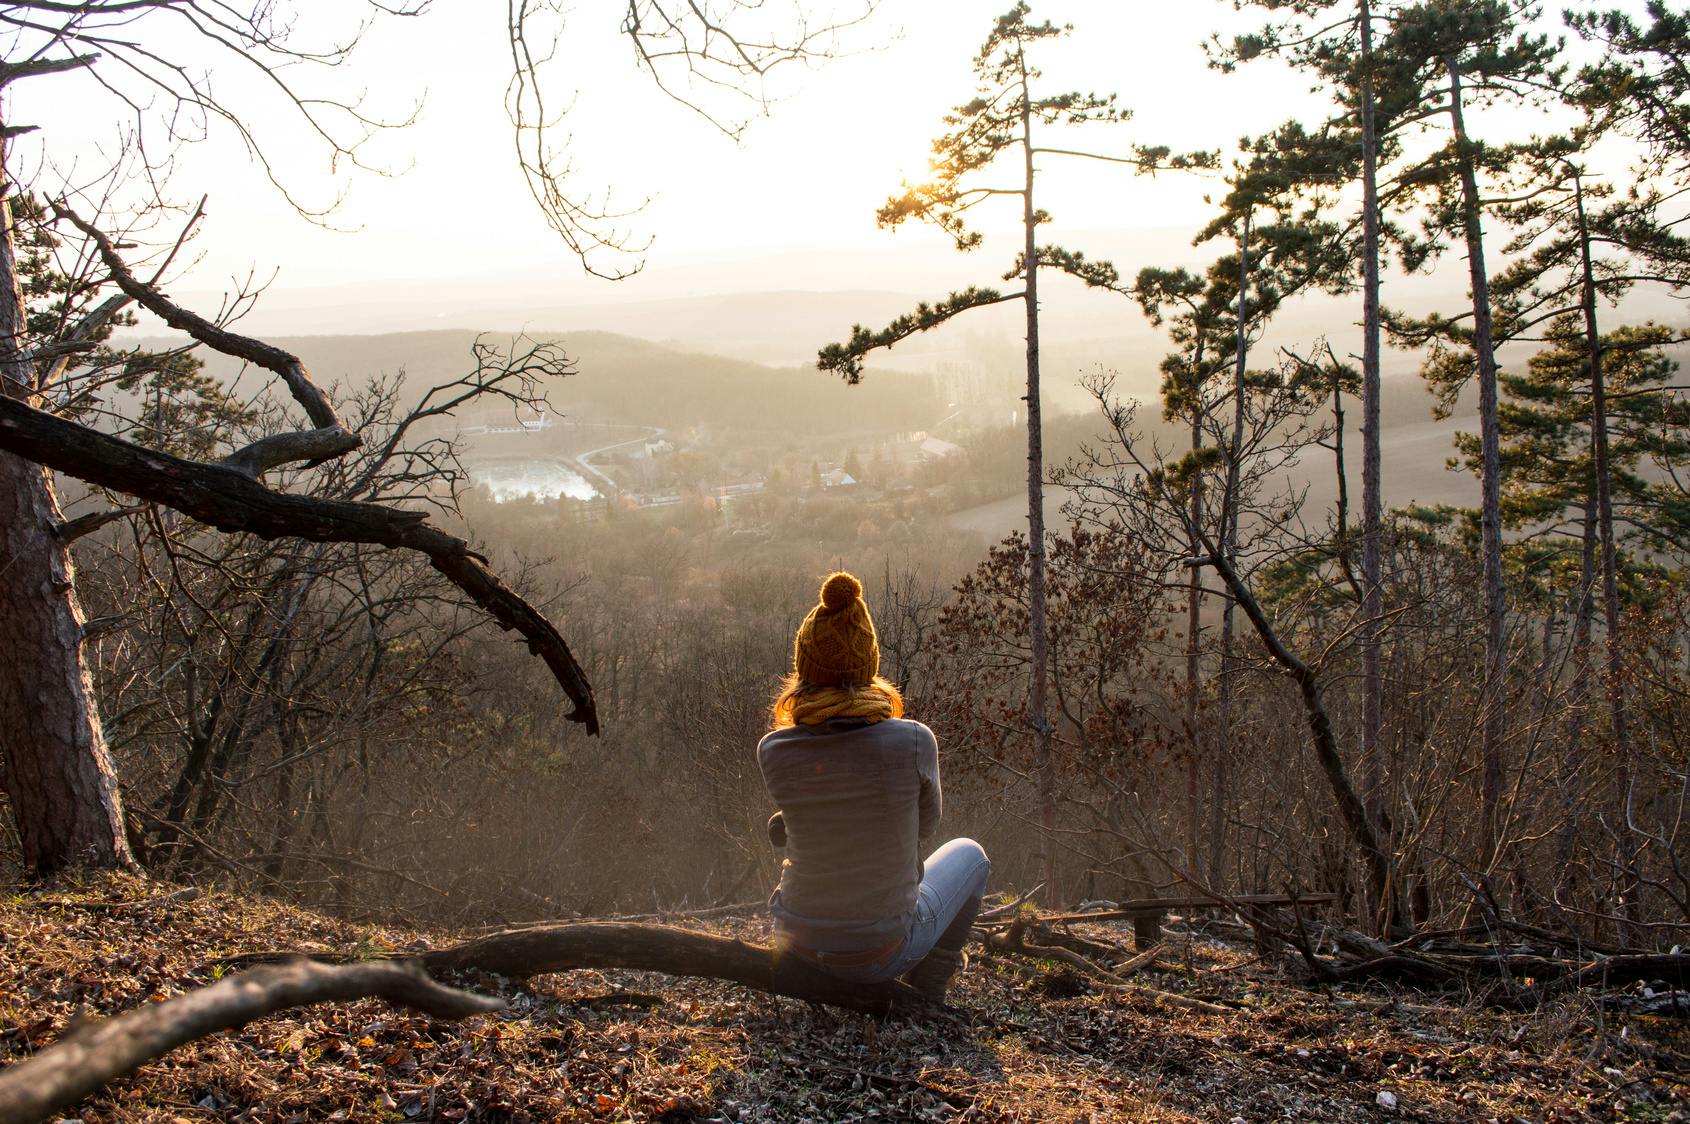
x,y
1615,971
520,953
85,1059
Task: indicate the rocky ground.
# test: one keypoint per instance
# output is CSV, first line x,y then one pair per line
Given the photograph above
x,y
1025,1042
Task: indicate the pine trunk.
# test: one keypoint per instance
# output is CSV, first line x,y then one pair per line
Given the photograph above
x,y
1193,648
57,772
1493,702
1043,765
1229,545
1610,567
1372,502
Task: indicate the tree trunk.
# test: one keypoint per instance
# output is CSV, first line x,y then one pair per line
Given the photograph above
x,y
1193,643
1610,567
1493,702
57,771
1229,545
1382,882
1578,696
1372,501
1043,765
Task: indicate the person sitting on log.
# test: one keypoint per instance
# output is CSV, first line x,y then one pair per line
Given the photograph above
x,y
857,785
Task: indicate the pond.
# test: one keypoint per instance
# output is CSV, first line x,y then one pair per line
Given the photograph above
x,y
531,479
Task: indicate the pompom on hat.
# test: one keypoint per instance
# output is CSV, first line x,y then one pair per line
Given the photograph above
x,y
836,645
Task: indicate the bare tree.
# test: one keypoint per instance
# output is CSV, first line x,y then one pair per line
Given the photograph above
x,y
1130,481
154,61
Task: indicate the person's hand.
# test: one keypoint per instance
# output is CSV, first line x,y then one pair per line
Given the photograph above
x,y
777,830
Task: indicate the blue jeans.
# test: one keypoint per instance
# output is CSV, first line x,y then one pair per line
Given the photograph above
x,y
952,876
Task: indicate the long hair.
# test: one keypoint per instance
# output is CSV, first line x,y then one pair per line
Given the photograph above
x,y
796,696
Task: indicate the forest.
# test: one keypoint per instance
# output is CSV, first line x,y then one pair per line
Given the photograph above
x,y
1328,728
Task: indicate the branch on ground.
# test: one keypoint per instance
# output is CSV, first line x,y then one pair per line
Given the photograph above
x,y
84,1060
676,952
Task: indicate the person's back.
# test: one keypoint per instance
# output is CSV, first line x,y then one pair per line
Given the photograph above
x,y
858,793
858,800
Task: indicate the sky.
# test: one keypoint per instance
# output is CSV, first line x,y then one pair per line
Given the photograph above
x,y
791,206
838,139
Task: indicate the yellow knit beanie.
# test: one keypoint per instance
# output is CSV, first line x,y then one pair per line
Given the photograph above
x,y
836,643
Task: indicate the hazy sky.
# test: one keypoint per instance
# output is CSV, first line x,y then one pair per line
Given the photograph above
x,y
809,177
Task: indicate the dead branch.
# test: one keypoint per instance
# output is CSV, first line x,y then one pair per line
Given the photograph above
x,y
86,1059
677,952
72,529
328,440
1131,909
1009,908
710,911
1142,960
1614,971
232,501
1016,945
1184,1002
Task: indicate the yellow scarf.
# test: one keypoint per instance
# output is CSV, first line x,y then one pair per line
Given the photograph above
x,y
818,704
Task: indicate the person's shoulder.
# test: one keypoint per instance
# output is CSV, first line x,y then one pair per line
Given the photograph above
x,y
785,736
917,732
771,740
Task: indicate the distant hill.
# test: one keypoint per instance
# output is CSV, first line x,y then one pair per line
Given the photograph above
x,y
627,380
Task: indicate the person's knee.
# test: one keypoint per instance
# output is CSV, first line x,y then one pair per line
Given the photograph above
x,y
961,850
976,857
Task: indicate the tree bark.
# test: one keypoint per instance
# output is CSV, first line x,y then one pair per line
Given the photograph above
x,y
1604,493
1494,699
1605,532
78,1064
57,770
1193,642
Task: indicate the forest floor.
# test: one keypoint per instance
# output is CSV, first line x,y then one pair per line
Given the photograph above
x,y
1022,1044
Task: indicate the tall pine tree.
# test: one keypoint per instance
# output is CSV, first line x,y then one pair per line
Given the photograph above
x,y
1005,121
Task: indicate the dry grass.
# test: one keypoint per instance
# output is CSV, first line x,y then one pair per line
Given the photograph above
x,y
642,1047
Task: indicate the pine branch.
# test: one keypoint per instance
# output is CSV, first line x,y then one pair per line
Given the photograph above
x,y
846,359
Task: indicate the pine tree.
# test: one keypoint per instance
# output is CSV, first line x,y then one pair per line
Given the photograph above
x,y
1334,41
1443,56
1006,121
